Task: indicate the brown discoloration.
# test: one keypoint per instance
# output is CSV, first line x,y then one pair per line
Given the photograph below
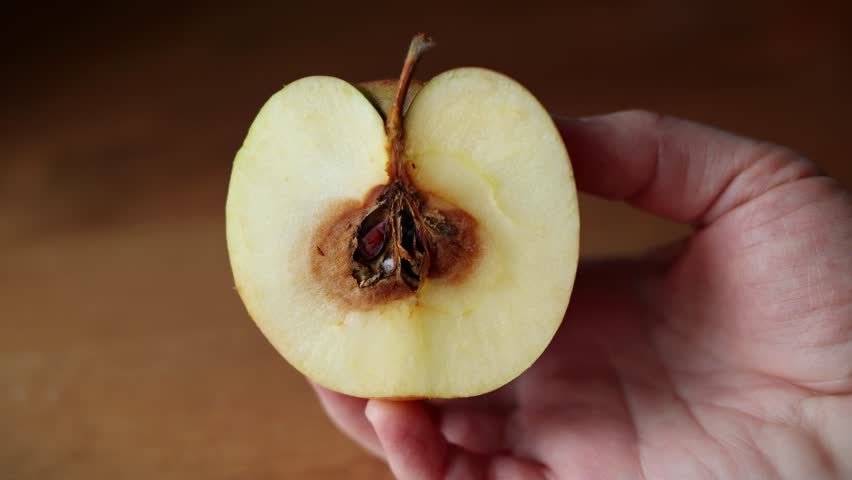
x,y
455,251
331,273
455,255
383,249
373,195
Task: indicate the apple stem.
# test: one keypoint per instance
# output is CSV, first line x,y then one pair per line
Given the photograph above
x,y
419,45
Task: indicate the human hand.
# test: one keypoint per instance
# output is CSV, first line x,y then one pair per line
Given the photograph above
x,y
727,355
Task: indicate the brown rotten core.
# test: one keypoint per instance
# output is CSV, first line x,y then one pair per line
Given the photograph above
x,y
396,239
398,236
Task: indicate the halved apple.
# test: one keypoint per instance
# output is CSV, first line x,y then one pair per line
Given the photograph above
x,y
432,255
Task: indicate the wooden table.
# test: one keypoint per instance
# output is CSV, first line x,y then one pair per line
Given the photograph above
x,y
124,350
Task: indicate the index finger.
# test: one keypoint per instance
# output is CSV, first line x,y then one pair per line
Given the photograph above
x,y
680,170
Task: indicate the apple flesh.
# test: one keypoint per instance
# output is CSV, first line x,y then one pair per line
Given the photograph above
x,y
479,152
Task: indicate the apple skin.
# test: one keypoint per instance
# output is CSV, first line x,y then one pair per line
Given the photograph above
x,y
381,92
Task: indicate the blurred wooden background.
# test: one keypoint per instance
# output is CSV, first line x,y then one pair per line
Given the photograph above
x,y
125,352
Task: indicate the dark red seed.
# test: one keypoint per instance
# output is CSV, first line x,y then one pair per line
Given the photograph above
x,y
373,241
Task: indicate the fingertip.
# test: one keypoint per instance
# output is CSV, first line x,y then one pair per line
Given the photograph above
x,y
675,168
410,439
348,414
610,155
415,448
377,411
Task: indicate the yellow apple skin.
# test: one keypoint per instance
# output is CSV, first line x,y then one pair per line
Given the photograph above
x,y
476,142
381,92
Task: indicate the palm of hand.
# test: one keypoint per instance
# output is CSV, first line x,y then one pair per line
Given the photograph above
x,y
669,368
727,356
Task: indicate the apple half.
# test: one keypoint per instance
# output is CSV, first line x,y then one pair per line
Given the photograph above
x,y
431,254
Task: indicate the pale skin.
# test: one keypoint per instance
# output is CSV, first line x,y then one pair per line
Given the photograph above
x,y
726,355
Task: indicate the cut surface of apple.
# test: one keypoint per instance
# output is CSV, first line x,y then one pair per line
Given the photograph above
x,y
487,182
